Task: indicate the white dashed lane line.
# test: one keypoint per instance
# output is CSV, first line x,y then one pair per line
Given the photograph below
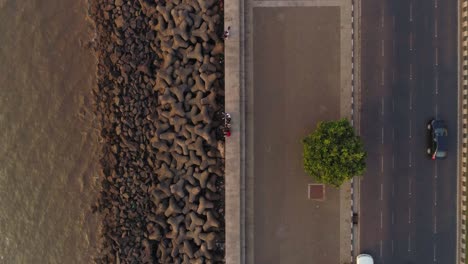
x,y
409,186
381,194
411,12
409,215
409,243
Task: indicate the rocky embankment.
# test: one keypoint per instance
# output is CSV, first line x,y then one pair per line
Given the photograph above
x,y
160,87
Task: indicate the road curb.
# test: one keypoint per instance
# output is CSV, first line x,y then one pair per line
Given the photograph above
x,y
355,116
463,131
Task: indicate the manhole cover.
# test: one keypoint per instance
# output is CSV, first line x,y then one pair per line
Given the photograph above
x,y
316,192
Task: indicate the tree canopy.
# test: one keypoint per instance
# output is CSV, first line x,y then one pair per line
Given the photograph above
x,y
333,153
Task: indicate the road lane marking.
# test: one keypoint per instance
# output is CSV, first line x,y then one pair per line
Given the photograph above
x,y
411,71
409,243
381,219
383,106
436,56
381,248
382,81
383,48
382,135
436,80
409,159
381,193
410,101
409,215
435,197
410,129
411,41
435,225
435,169
435,249
411,12
382,20
435,27
409,187
435,3
381,163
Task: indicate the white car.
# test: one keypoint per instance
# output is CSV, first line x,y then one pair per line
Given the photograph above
x,y
364,259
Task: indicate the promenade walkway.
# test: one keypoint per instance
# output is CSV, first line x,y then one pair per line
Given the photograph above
x,y
288,66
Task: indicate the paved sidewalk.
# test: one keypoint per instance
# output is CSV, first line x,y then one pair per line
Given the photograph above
x,y
240,79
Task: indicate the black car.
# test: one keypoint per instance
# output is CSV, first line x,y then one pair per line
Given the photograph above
x,y
437,143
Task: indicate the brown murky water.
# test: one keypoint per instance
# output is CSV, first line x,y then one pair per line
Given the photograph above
x,y
48,150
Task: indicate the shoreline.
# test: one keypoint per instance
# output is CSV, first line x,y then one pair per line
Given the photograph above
x,y
160,86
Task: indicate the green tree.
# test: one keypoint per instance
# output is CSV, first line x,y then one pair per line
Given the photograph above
x,y
333,153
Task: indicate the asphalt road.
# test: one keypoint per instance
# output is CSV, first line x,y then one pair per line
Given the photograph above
x,y
409,75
